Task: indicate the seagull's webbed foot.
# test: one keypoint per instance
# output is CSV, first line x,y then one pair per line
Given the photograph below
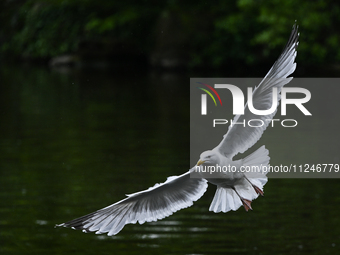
x,y
246,203
257,189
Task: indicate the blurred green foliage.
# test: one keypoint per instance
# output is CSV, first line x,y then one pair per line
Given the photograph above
x,y
217,34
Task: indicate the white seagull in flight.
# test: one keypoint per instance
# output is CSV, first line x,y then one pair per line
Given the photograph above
x,y
233,189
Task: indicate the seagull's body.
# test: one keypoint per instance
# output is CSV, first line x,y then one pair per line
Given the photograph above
x,y
233,189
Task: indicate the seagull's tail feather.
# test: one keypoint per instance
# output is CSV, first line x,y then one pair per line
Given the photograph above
x,y
225,199
247,189
258,163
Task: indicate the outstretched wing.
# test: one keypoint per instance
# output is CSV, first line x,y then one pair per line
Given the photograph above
x,y
239,137
153,204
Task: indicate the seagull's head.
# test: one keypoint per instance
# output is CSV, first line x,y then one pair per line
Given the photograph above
x,y
209,158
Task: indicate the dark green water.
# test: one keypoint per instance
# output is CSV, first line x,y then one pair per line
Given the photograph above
x,y
74,142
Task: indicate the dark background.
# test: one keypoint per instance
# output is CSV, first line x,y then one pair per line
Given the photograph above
x,y
95,104
221,35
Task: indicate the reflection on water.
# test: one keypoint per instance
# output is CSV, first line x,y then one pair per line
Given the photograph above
x,y
75,142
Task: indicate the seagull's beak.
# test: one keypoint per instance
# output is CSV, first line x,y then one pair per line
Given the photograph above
x,y
200,162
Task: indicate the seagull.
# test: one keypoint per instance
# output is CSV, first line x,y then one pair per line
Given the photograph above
x,y
233,189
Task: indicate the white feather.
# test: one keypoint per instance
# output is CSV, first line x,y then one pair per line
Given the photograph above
x,y
238,138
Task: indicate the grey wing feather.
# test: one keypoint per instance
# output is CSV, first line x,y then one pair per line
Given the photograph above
x,y
153,204
239,138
